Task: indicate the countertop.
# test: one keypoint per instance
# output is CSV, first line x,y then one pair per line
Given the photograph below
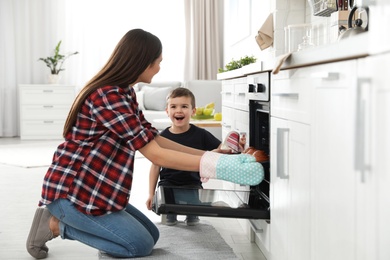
x,y
350,48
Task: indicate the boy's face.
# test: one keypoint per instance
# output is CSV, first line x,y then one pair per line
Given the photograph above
x,y
179,110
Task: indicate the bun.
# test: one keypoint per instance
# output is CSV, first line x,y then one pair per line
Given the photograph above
x,y
250,150
260,156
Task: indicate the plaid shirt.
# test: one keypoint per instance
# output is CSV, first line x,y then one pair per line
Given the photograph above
x,y
93,167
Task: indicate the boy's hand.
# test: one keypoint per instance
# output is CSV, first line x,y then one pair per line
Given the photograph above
x,y
149,202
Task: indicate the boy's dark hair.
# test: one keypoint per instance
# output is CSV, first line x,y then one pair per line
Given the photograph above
x,y
182,92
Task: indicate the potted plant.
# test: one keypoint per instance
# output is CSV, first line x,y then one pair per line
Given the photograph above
x,y
55,63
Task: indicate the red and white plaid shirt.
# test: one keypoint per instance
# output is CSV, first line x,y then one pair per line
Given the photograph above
x,y
93,168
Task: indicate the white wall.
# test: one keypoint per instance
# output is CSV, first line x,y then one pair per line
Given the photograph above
x,y
243,19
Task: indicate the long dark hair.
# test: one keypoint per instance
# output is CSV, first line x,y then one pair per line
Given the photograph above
x,y
132,55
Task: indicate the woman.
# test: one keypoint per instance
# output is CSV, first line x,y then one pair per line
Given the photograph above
x,y
86,189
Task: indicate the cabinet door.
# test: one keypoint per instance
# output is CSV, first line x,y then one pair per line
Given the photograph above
x,y
334,179
290,190
373,169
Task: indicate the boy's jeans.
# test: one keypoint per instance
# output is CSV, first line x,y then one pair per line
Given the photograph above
x,y
127,233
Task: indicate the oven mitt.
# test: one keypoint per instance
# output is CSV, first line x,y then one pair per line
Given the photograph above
x,y
238,168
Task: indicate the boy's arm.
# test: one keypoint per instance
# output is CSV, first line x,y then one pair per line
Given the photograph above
x,y
153,178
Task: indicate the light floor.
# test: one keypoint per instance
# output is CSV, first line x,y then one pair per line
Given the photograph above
x,y
20,190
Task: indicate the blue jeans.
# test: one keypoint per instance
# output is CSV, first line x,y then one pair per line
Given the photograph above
x,y
127,233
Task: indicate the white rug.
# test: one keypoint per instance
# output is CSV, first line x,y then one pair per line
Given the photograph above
x,y
31,154
28,155
182,242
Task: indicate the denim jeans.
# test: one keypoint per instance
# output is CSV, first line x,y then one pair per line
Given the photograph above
x,y
127,233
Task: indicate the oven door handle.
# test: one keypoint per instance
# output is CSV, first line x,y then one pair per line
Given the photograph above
x,y
258,110
282,148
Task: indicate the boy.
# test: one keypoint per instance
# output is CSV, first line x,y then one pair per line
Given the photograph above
x,y
180,108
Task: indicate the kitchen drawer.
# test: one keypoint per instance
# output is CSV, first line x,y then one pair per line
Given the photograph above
x,y
44,112
41,129
46,95
241,100
291,96
261,231
227,93
227,118
293,91
241,121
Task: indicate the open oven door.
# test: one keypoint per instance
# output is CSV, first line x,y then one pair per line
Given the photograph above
x,y
212,203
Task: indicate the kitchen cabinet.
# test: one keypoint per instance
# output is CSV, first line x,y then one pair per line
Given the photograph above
x,y
329,135
235,112
43,110
372,165
290,166
334,226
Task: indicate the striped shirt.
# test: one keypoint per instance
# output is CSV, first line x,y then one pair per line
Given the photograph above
x,y
93,167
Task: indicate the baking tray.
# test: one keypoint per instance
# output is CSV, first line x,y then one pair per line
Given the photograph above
x,y
246,204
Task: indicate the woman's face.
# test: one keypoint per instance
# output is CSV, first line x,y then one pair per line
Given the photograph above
x,y
150,71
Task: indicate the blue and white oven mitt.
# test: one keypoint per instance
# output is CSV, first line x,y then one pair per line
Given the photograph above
x,y
238,168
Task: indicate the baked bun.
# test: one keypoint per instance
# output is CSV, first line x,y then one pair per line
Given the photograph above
x,y
260,156
249,150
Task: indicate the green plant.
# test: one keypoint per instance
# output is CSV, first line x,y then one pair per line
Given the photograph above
x,y
55,62
236,64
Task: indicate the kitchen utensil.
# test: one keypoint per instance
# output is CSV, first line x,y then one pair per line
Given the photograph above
x,y
357,28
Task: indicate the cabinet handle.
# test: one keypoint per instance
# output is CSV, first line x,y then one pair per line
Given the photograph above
x,y
282,139
48,91
362,127
254,227
48,106
326,75
48,122
288,95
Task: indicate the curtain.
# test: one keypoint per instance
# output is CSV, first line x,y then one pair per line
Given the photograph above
x,y
204,39
30,29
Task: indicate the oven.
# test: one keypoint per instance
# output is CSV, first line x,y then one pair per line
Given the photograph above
x,y
251,202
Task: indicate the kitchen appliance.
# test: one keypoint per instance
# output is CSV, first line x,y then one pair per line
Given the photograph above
x,y
357,26
252,202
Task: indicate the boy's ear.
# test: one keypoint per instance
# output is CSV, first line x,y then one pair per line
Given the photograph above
x,y
193,111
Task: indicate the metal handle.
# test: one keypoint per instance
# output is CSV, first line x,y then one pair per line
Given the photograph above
x,y
362,127
326,75
48,106
48,91
254,227
282,139
289,95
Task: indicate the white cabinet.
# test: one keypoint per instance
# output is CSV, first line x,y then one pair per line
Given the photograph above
x,y
235,106
333,178
330,161
290,167
372,164
235,112
43,110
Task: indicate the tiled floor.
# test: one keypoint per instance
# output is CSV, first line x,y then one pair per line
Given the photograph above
x,y
20,191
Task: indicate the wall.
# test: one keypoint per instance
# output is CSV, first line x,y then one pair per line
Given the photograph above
x,y
243,19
